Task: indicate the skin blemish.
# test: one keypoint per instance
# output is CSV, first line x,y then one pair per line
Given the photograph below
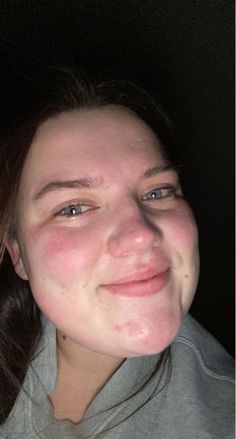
x,y
118,328
132,328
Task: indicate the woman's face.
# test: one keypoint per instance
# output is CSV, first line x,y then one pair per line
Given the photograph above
x,y
105,238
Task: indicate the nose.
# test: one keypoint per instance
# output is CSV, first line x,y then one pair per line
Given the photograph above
x,y
133,235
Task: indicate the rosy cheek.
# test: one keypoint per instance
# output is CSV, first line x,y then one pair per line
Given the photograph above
x,y
182,229
64,252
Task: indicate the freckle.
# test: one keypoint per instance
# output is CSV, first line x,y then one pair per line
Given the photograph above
x,y
118,328
179,255
186,276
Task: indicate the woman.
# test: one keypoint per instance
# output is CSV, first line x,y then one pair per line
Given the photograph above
x,y
99,268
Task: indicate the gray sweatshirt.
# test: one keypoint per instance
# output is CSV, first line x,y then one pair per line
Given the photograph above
x,y
185,393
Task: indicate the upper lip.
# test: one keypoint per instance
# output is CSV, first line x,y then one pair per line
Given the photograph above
x,y
140,275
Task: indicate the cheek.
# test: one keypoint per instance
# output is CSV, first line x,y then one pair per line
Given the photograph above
x,y
181,241
181,230
63,253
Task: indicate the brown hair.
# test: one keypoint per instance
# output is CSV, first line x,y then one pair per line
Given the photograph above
x,y
20,319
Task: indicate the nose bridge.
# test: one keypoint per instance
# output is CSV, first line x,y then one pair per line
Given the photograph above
x,y
132,233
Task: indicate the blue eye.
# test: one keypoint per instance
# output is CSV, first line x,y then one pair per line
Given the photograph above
x,y
157,194
73,210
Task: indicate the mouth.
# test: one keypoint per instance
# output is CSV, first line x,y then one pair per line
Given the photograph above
x,y
140,285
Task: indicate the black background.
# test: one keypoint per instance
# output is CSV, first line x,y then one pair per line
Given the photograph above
x,y
184,50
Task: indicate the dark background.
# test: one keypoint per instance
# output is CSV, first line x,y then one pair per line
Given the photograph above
x,y
184,50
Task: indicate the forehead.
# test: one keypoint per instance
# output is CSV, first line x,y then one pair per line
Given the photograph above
x,y
87,137
96,124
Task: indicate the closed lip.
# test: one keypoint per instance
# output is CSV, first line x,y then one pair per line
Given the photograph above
x,y
146,283
140,275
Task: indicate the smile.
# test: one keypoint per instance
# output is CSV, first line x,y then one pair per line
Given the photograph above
x,y
141,287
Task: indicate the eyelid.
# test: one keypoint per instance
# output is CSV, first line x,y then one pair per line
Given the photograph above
x,y
58,210
171,187
73,206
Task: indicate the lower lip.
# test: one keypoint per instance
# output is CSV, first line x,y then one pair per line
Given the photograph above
x,y
141,288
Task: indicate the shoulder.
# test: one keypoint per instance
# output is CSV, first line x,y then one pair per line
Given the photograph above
x,y
201,387
31,407
206,352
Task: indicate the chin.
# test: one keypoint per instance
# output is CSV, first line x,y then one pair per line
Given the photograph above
x,y
155,339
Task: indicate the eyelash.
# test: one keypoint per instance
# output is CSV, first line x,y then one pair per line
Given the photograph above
x,y
72,206
169,192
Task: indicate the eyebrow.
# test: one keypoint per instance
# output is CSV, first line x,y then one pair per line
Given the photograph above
x,y
68,184
159,169
92,183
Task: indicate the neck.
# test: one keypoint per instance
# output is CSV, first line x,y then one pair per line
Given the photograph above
x,y
80,359
81,374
